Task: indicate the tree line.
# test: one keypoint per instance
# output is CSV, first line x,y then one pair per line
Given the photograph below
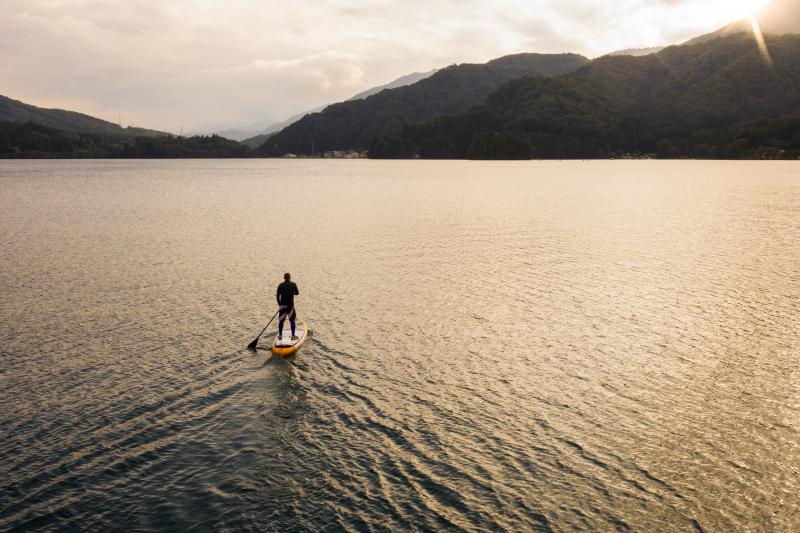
x,y
714,100
29,140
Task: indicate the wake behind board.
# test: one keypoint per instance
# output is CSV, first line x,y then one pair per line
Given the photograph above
x,y
287,346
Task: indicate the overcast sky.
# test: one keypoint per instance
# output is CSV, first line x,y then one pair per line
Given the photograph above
x,y
206,64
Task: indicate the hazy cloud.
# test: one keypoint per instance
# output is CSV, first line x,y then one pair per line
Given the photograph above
x,y
207,63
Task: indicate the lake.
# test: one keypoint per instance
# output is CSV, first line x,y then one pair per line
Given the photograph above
x,y
546,346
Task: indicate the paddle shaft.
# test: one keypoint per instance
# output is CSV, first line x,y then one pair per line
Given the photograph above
x,y
253,344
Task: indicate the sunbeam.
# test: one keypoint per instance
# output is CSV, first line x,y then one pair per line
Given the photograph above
x,y
762,44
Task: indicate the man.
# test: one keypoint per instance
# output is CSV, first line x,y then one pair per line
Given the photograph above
x,y
286,293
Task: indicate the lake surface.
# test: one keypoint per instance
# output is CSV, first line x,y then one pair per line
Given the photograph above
x,y
496,346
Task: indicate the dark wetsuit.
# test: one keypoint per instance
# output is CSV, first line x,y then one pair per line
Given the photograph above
x,y
285,295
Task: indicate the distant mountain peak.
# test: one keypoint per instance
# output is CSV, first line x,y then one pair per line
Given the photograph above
x,y
255,138
356,125
408,79
779,17
638,52
706,101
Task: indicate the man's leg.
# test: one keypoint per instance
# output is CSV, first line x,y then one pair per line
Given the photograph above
x,y
294,326
292,319
281,321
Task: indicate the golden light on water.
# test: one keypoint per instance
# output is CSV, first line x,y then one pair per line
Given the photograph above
x,y
762,45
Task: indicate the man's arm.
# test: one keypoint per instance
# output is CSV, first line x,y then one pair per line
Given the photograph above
x,y
278,295
296,290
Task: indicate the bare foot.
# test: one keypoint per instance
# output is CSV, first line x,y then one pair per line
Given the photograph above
x,y
295,337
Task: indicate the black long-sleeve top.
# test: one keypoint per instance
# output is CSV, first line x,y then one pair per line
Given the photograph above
x,y
286,293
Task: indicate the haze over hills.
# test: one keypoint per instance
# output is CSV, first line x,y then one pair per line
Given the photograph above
x,y
32,140
28,131
638,52
315,131
70,121
258,140
356,124
713,99
408,79
779,17
16,111
255,134
240,133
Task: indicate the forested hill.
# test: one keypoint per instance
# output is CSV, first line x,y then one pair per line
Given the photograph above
x,y
34,141
16,111
356,124
719,99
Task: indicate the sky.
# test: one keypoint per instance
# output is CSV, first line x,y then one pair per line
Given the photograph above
x,y
206,65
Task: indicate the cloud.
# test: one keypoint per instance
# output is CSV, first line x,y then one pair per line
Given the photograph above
x,y
200,63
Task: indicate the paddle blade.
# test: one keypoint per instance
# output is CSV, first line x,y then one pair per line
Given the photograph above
x,y
252,345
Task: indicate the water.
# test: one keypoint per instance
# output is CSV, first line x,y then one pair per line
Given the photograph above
x,y
497,346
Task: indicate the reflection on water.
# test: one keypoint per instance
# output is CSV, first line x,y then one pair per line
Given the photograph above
x,y
604,345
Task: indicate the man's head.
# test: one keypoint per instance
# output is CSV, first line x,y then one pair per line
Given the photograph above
x,y
287,276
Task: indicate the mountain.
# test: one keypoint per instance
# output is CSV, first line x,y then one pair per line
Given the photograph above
x,y
254,135
256,139
408,79
241,133
16,111
28,131
234,134
779,17
31,140
355,125
638,52
714,99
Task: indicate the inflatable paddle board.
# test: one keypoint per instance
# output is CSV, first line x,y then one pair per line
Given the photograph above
x,y
286,346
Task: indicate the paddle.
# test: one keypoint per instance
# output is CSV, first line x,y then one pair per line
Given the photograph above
x,y
252,345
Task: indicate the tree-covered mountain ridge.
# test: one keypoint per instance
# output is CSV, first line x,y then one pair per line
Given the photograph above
x,y
29,140
354,125
60,119
717,99
27,131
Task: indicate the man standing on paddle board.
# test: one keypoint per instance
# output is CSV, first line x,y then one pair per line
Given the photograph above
x,y
286,293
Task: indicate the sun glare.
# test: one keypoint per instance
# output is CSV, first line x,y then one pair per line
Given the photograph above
x,y
720,12
741,9
762,45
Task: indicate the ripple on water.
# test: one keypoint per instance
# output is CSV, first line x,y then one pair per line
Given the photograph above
x,y
533,346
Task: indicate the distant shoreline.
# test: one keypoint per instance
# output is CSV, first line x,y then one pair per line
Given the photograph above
x,y
311,158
